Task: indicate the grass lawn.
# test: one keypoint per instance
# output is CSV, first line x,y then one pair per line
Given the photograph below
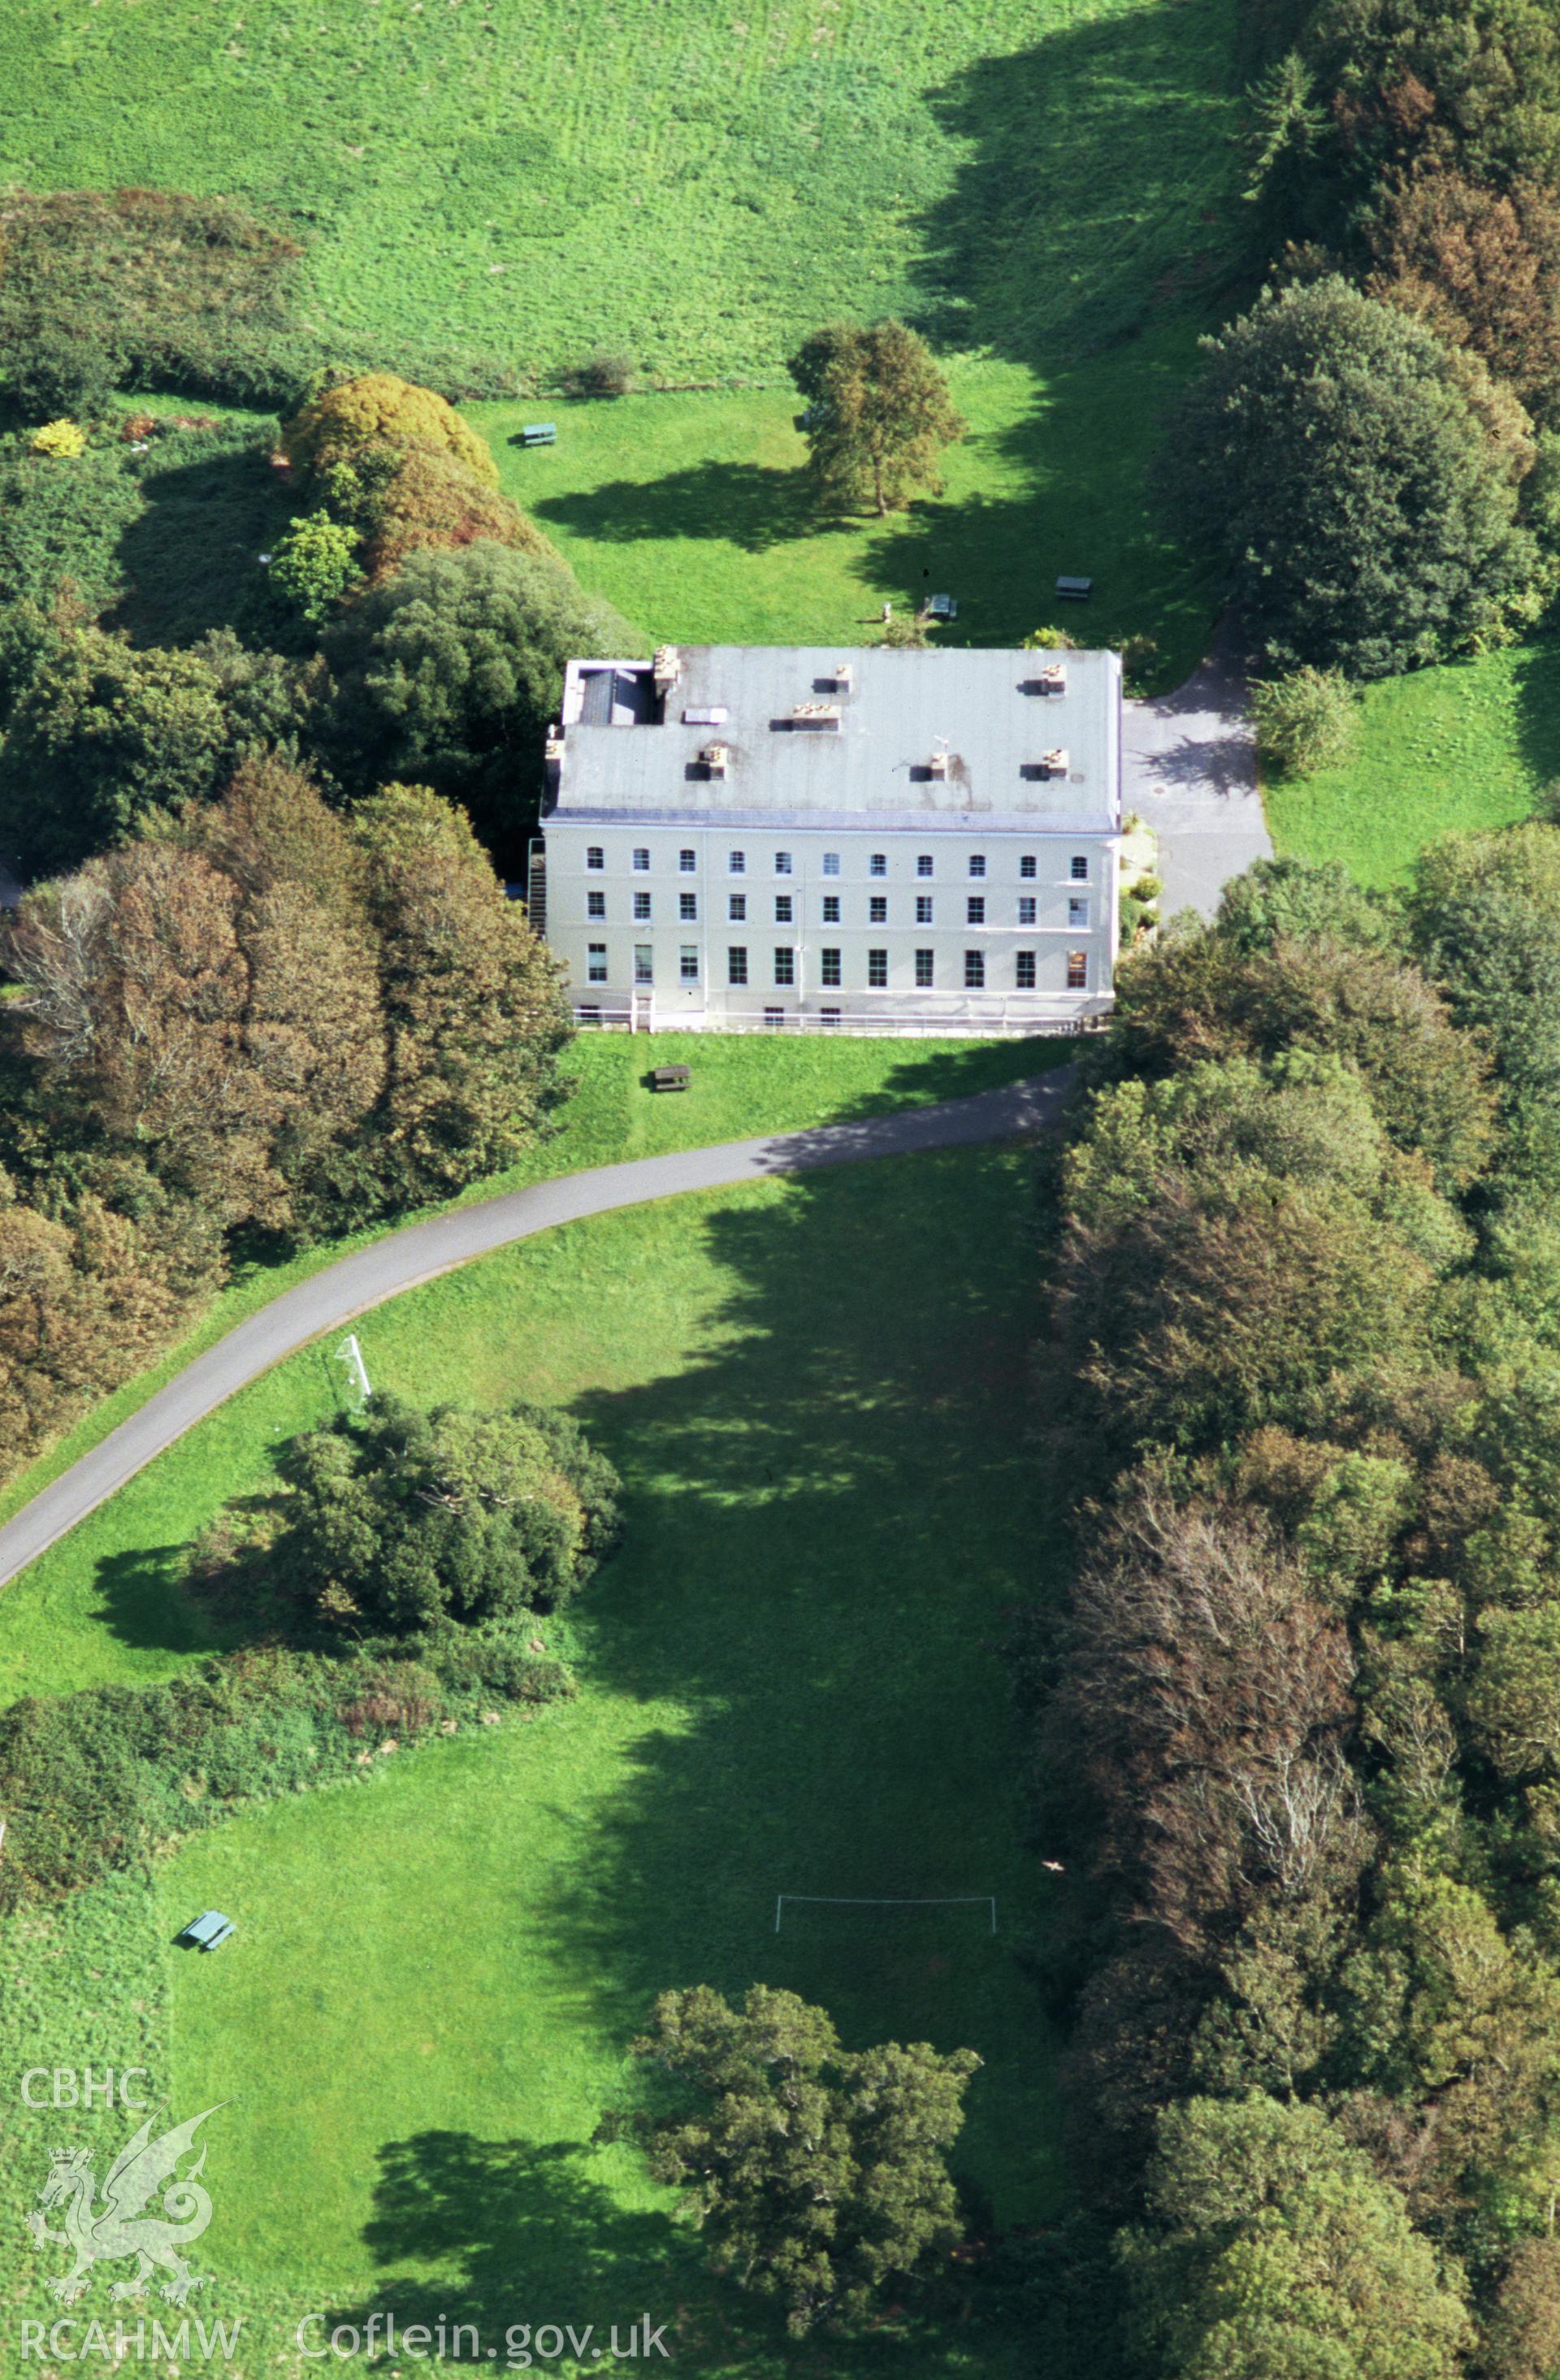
x,y
52,1633
1443,751
695,181
790,1683
694,514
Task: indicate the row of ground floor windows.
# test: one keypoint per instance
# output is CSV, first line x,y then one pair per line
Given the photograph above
x,y
877,909
980,971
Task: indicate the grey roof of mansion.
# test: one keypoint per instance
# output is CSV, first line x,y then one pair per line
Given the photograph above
x,y
984,710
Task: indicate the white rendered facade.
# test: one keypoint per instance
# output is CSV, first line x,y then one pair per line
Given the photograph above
x,y
809,850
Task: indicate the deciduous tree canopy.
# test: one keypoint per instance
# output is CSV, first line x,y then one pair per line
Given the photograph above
x,y
1297,1742
102,733
399,1519
1333,461
1276,2250
818,2174
474,1018
1482,268
879,414
379,410
290,1018
450,672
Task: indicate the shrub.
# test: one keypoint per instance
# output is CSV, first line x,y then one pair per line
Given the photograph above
x,y
905,632
62,370
603,374
1284,900
1307,720
58,438
314,564
28,636
58,526
1041,641
1485,916
379,410
108,527
1139,656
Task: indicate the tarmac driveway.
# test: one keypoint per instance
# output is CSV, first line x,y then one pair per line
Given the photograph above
x,y
417,1252
1189,766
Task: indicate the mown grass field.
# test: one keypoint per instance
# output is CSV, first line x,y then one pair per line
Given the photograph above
x,y
692,181
1445,751
695,514
94,1607
791,1682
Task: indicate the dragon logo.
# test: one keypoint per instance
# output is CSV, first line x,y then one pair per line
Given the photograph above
x,y
118,2227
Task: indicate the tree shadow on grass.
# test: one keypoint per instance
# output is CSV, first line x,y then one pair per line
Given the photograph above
x,y
1077,500
1098,186
928,1075
191,559
145,1600
747,504
829,1521
1538,701
1080,461
1093,227
521,2232
830,1515
144,1603
831,1511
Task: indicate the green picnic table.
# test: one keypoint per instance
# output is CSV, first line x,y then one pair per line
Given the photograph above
x,y
209,1932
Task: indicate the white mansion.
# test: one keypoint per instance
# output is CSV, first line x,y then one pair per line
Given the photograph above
x,y
886,840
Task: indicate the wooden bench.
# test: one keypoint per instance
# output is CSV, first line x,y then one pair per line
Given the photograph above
x,y
670,1078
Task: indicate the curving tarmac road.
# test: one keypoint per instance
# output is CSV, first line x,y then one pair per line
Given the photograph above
x,y
403,1258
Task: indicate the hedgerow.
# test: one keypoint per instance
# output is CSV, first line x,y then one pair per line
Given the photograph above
x,y
99,1781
